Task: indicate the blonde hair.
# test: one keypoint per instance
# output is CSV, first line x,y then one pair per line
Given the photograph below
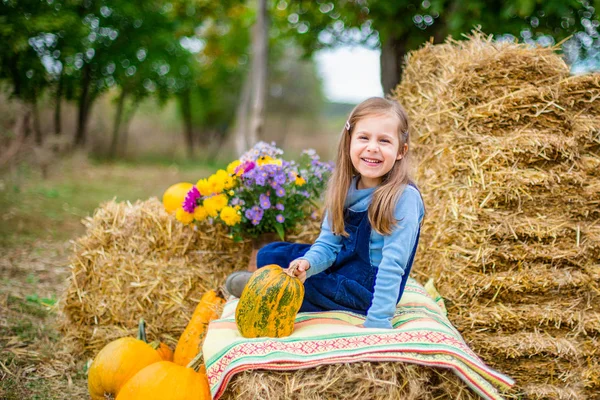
x,y
385,197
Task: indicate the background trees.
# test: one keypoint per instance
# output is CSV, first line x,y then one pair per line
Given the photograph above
x,y
397,27
199,54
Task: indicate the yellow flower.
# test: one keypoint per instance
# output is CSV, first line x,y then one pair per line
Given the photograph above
x,y
204,187
183,216
232,166
215,204
229,183
200,213
266,160
230,216
217,181
300,180
210,208
220,201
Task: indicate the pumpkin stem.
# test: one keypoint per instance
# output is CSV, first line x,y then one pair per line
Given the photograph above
x,y
196,362
220,293
155,345
142,331
292,269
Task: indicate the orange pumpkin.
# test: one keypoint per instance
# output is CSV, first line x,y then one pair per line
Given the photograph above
x,y
167,380
192,338
116,363
174,196
163,350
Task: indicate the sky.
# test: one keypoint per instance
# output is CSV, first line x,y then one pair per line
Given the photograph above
x,y
349,74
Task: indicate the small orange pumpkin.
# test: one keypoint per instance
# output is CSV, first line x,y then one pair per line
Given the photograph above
x,y
192,338
116,363
167,380
269,303
163,350
121,359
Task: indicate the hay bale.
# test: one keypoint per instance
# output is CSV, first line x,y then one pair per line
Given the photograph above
x,y
136,260
508,146
363,380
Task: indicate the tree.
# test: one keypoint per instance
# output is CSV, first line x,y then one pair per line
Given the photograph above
x,y
218,51
23,36
397,27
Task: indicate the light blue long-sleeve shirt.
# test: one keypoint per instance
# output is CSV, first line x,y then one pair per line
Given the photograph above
x,y
392,253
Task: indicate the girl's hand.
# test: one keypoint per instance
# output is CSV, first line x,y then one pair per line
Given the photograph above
x,y
298,269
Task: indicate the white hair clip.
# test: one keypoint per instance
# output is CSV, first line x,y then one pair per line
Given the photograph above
x,y
348,125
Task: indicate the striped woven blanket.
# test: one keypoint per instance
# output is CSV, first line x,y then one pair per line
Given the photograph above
x,y
422,335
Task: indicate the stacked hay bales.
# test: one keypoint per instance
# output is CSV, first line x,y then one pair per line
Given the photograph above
x,y
508,147
135,261
138,261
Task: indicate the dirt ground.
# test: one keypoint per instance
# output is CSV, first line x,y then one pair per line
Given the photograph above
x,y
40,217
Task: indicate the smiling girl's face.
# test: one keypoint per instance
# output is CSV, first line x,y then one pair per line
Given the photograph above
x,y
374,148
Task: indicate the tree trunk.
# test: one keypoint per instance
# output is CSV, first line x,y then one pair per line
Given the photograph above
x,y
20,129
84,103
186,109
115,136
57,107
125,133
393,51
37,129
13,66
260,42
241,116
26,121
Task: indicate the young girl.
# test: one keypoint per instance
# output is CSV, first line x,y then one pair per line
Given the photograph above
x,y
362,258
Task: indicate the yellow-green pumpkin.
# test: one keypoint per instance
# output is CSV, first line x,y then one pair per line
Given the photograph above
x,y
269,303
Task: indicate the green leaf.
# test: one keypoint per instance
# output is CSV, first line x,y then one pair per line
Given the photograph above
x,y
280,231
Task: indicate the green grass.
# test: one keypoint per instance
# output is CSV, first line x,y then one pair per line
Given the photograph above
x,y
35,209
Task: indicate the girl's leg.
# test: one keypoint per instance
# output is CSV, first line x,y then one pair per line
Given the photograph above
x,y
280,253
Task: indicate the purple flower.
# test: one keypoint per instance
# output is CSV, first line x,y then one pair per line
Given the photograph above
x,y
261,180
264,201
191,199
280,218
279,206
270,169
248,178
254,214
312,153
280,192
279,178
304,193
313,215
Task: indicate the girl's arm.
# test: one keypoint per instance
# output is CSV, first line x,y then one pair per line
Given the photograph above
x,y
396,252
324,251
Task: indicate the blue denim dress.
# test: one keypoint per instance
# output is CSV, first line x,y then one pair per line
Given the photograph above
x,y
349,283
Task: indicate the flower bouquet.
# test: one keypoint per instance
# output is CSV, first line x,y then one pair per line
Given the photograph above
x,y
259,193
